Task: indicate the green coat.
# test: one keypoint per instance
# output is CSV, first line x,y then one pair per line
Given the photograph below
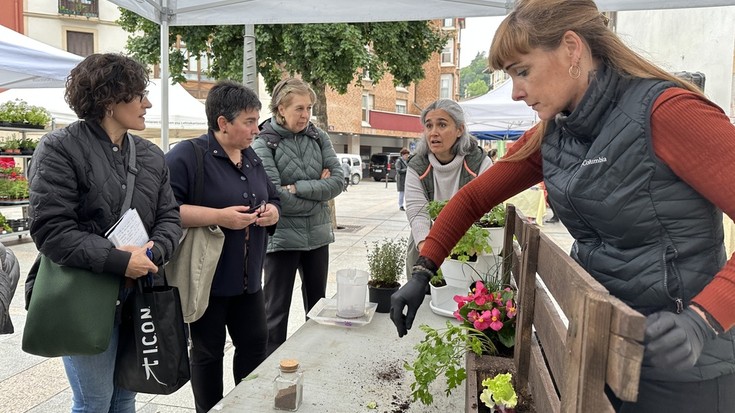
x,y
298,159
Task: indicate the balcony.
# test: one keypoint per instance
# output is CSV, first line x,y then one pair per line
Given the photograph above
x,y
83,8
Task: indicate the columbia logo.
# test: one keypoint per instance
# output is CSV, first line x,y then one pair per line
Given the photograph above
x,y
600,159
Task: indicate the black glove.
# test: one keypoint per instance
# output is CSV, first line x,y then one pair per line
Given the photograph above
x,y
675,340
412,295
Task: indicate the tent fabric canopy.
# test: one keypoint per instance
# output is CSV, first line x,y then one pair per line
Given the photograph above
x,y
186,111
495,115
28,63
206,12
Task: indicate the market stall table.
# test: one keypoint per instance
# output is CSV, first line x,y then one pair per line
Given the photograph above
x,y
345,369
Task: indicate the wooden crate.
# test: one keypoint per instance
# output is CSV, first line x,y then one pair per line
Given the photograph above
x,y
572,336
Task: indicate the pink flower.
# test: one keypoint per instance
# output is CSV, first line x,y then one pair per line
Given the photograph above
x,y
510,309
480,321
495,322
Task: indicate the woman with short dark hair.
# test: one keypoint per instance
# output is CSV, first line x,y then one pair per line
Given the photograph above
x,y
77,189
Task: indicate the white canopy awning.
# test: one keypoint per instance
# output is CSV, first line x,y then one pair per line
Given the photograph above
x,y
27,63
205,12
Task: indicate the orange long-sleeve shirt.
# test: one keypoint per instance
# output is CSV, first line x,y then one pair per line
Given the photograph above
x,y
690,134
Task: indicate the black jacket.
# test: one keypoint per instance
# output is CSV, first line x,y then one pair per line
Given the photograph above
x,y
77,188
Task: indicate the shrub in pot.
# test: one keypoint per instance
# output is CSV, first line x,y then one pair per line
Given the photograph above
x,y
386,261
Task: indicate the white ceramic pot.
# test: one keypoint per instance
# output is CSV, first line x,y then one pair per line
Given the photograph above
x,y
462,274
442,299
496,239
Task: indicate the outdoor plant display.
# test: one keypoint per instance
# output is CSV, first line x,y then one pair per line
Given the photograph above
x,y
18,113
487,327
4,226
386,261
13,185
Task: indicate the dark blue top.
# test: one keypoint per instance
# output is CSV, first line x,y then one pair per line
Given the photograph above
x,y
225,185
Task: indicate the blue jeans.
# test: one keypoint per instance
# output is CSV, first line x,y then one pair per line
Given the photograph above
x,y
400,199
92,381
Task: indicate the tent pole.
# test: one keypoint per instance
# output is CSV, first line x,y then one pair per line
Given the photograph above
x,y
249,70
165,16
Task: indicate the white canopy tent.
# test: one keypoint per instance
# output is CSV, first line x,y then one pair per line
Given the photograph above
x,y
186,111
28,63
495,115
250,12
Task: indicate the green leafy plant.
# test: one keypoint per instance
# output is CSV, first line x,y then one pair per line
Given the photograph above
x,y
386,261
487,326
4,226
495,218
20,112
498,393
474,242
442,352
438,279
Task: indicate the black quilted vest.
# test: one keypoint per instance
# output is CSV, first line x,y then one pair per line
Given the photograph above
x,y
646,235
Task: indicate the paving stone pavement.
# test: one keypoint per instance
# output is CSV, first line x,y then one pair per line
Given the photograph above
x,y
366,212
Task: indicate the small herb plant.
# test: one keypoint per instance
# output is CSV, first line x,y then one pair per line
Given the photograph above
x,y
442,352
495,218
386,262
498,393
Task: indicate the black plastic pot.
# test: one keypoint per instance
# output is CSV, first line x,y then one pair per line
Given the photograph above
x,y
381,296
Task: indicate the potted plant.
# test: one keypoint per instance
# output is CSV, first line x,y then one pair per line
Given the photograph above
x,y
470,257
487,327
494,222
27,145
386,261
12,145
4,227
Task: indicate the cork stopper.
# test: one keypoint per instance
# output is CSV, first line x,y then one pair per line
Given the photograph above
x,y
289,365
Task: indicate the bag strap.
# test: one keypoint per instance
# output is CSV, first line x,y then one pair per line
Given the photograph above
x,y
132,172
199,175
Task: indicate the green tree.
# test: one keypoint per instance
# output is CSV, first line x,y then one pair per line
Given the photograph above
x,y
476,71
477,88
324,55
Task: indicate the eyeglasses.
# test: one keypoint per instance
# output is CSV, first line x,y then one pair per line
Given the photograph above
x,y
142,95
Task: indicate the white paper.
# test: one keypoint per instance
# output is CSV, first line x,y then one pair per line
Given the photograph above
x,y
128,230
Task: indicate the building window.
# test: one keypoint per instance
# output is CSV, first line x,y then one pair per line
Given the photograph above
x,y
367,105
448,52
87,8
196,70
446,86
401,105
80,43
448,23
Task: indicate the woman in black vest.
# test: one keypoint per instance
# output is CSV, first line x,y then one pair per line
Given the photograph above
x,y
638,166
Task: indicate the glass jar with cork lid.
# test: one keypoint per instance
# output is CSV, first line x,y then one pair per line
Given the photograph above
x,y
288,386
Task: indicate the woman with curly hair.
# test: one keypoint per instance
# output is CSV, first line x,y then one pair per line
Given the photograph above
x,y
77,190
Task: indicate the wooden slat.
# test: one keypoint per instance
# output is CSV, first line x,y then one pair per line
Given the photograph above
x,y
595,338
564,278
624,367
545,397
551,331
525,301
569,383
627,322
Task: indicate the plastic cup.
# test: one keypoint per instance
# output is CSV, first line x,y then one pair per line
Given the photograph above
x,y
351,292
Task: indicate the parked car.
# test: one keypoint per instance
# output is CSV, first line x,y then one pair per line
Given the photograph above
x,y
382,164
355,166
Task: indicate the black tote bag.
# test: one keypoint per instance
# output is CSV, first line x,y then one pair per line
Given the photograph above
x,y
152,355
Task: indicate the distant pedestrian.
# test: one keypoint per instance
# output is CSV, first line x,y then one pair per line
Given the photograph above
x,y
346,171
493,154
401,168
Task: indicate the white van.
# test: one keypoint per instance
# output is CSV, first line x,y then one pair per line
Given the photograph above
x,y
355,166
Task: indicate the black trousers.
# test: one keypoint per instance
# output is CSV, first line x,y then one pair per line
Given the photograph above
x,y
244,318
707,396
280,275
